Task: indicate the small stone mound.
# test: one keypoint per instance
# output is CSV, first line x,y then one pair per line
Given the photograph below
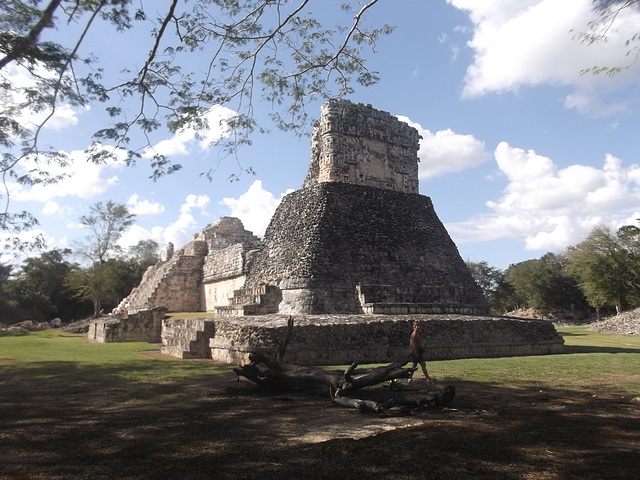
x,y
26,326
627,323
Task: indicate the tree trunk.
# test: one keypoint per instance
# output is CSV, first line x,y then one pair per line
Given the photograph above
x,y
349,388
390,399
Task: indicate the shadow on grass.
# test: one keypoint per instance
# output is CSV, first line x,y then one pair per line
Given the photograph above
x,y
573,334
20,333
596,349
61,420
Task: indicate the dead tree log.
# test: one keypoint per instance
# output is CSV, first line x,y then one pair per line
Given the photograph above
x,y
356,379
282,347
359,404
345,386
268,373
351,387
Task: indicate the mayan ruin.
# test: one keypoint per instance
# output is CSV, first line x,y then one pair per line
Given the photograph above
x,y
356,255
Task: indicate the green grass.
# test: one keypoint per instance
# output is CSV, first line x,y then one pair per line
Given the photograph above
x,y
600,359
591,357
70,357
75,410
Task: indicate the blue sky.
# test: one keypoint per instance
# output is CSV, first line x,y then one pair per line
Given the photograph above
x,y
521,154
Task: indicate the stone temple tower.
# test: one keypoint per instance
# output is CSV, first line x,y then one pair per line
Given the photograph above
x,y
363,146
358,237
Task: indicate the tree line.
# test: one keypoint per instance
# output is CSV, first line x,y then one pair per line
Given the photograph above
x,y
54,285
600,274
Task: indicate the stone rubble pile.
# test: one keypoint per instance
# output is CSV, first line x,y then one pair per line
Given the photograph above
x,y
627,323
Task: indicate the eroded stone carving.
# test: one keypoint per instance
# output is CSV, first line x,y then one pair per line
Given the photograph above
x,y
354,143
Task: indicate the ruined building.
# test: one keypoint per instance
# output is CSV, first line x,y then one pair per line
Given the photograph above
x,y
356,238
355,256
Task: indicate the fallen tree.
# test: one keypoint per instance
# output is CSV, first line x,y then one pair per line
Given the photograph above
x,y
343,386
350,388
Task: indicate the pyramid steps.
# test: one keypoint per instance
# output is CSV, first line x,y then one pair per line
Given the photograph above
x,y
259,300
187,337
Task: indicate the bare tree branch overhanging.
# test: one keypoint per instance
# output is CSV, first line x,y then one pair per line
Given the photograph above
x,y
608,12
253,50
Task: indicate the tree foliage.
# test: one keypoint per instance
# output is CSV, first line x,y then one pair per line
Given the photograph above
x,y
608,12
106,223
489,279
608,265
99,282
544,284
270,50
38,291
104,285
50,286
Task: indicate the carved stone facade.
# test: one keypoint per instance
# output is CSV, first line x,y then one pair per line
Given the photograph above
x,y
201,275
354,143
343,339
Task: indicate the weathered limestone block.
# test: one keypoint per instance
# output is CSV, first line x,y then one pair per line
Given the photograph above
x,y
184,281
187,338
343,339
349,235
142,326
358,144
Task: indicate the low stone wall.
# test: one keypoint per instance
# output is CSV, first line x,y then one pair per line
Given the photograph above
x,y
142,326
343,339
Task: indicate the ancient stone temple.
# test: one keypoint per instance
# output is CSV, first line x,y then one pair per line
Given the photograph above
x,y
356,238
357,250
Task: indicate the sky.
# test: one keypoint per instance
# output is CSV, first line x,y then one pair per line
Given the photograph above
x,y
520,152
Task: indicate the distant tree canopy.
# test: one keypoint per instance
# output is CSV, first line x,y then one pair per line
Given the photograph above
x,y
489,279
100,282
542,284
275,51
106,224
38,292
608,266
602,271
50,286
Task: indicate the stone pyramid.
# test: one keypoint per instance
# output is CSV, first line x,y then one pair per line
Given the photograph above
x,y
358,237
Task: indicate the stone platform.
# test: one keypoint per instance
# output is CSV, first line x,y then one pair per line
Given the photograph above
x,y
343,339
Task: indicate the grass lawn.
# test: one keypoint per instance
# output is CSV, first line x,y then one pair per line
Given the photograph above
x,y
70,409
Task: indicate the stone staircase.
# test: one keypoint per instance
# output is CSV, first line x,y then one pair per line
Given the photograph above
x,y
258,300
165,283
410,300
187,337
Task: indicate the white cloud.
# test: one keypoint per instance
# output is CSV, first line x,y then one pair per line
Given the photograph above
x,y
181,230
551,207
63,116
533,42
136,233
53,208
446,151
85,179
183,140
178,232
143,207
255,207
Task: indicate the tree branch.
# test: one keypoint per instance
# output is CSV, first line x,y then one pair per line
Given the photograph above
x,y
26,43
